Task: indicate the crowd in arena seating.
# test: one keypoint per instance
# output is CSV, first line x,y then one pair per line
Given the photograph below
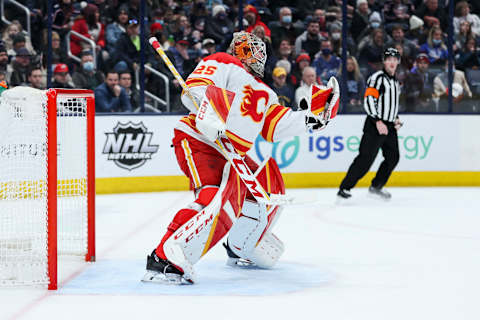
x,y
304,45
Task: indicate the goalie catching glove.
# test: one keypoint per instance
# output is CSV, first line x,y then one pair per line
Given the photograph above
x,y
322,105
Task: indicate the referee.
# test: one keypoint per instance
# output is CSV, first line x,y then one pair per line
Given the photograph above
x,y
380,129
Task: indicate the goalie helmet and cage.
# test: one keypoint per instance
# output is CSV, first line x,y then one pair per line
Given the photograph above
x,y
250,50
47,186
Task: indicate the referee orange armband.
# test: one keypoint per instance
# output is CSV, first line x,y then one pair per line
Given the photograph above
x,y
372,92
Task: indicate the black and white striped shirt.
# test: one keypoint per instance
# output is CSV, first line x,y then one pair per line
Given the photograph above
x,y
381,96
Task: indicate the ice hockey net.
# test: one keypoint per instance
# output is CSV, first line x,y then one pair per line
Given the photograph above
x,y
47,182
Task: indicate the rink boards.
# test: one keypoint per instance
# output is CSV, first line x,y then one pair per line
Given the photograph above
x,y
134,154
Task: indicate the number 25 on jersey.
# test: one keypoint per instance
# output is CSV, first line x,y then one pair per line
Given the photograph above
x,y
205,70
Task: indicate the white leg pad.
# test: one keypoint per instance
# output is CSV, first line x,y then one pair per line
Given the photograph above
x,y
248,228
268,251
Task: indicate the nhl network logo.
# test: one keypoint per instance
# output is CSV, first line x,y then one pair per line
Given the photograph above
x,y
129,145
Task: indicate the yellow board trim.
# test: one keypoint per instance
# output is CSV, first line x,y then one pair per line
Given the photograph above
x,y
298,180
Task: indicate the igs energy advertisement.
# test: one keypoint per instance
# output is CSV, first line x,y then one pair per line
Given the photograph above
x,y
139,146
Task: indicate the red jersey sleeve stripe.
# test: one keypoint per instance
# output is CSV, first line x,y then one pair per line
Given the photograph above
x,y
190,121
221,101
240,145
195,82
274,114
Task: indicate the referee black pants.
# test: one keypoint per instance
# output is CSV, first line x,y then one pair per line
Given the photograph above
x,y
371,142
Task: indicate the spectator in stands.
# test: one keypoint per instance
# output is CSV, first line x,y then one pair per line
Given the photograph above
x,y
284,91
397,12
355,86
18,42
61,78
309,77
183,62
419,86
4,66
127,47
64,13
435,48
372,52
90,27
462,13
285,51
35,78
219,27
20,68
86,76
462,35
253,19
326,62
360,19
110,96
208,46
306,7
460,90
432,14
409,49
285,28
13,29
59,55
115,29
403,69
469,57
416,33
125,81
302,62
375,22
309,41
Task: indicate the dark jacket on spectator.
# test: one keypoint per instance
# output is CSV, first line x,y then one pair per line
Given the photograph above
x,y
19,75
106,101
286,95
126,51
281,32
218,29
84,80
56,84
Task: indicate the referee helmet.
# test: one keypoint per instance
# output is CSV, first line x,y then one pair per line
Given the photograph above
x,y
391,52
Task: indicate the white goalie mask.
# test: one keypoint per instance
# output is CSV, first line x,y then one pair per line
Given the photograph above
x,y
250,50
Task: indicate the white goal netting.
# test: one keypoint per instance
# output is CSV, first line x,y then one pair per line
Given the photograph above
x,y
23,183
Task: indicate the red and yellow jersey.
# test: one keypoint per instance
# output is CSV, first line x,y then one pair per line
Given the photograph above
x,y
254,109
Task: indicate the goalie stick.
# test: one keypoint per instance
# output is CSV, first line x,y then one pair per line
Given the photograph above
x,y
224,144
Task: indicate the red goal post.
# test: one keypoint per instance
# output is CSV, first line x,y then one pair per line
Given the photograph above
x,y
47,199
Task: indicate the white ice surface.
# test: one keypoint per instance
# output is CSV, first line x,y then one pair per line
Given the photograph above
x,y
415,257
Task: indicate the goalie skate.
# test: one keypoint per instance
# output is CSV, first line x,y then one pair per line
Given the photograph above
x,y
162,271
235,261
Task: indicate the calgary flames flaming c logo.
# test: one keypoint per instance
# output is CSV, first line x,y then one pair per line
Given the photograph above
x,y
250,102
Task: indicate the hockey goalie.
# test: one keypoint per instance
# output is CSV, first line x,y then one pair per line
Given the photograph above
x,y
235,106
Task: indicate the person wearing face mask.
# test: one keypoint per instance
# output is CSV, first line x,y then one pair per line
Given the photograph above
x,y
374,22
86,77
435,48
218,27
284,28
326,63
